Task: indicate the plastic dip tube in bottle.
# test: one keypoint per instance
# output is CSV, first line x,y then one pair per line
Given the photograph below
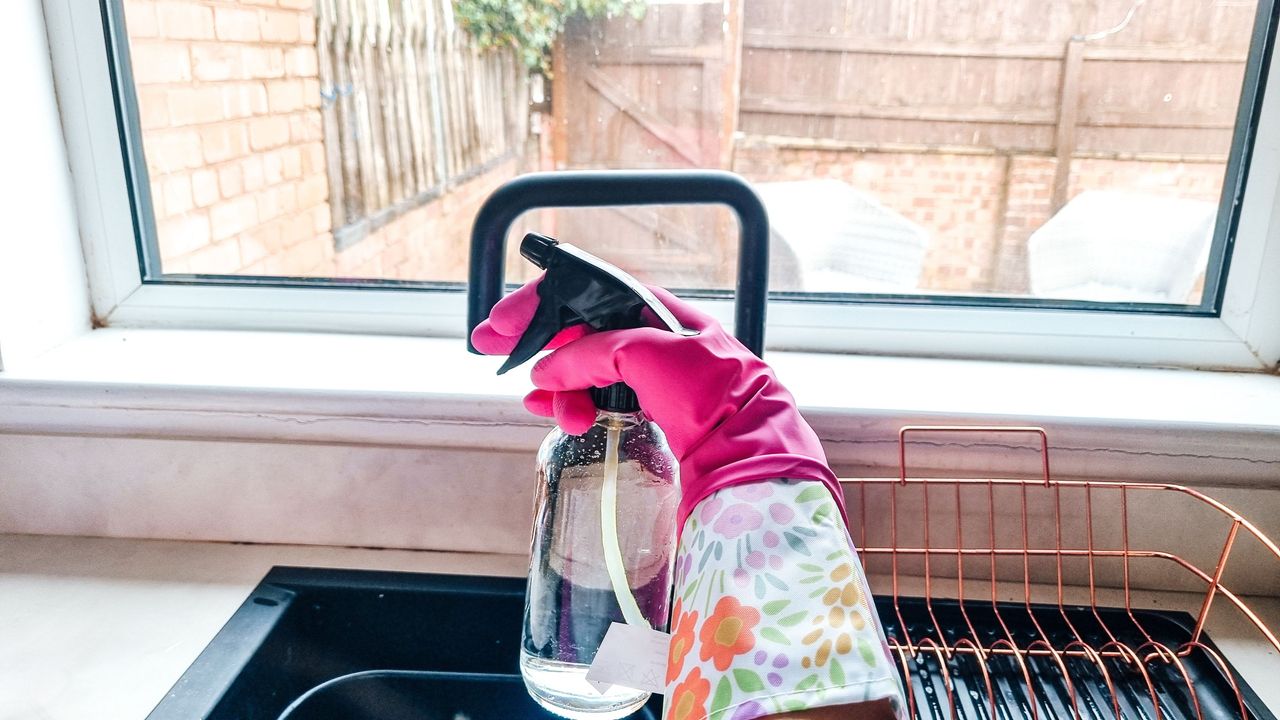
x,y
604,526
584,574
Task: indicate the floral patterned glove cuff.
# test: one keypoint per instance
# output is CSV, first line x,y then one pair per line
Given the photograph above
x,y
772,612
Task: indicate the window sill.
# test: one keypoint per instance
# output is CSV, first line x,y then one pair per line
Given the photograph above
x,y
1189,427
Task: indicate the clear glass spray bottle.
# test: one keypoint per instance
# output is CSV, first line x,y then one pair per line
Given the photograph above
x,y
603,541
605,522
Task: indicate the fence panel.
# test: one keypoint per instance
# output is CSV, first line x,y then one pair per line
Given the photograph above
x,y
988,73
411,106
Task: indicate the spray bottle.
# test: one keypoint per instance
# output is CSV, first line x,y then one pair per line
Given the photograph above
x,y
604,528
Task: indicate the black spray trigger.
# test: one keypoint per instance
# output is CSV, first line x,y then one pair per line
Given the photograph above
x,y
547,320
579,288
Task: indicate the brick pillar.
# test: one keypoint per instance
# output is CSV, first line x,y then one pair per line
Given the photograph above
x,y
1028,204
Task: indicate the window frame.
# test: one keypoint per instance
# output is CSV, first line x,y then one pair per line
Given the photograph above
x,y
1243,335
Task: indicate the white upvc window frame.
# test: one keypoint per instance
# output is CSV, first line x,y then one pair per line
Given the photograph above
x,y
1245,336
201,415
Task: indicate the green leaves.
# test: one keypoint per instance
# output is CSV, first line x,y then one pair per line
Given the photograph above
x,y
837,673
774,635
867,652
813,492
531,26
773,607
693,588
748,680
793,619
720,701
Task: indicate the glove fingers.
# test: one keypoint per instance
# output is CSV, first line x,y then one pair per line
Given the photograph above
x,y
512,313
574,411
539,402
592,361
490,342
499,333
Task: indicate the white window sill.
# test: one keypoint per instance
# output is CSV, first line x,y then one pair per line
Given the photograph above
x,y
1189,427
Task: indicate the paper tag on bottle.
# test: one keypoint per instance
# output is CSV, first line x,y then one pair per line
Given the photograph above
x,y
631,656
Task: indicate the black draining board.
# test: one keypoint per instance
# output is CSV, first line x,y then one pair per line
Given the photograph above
x,y
1050,693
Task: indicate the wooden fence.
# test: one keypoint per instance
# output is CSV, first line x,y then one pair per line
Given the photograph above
x,y
1157,78
410,107
1043,98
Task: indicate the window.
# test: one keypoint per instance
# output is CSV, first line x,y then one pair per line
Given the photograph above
x,y
982,178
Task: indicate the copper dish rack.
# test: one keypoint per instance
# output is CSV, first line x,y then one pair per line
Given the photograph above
x,y
995,635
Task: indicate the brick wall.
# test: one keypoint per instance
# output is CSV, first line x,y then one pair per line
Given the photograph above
x,y
228,96
979,209
431,242
229,103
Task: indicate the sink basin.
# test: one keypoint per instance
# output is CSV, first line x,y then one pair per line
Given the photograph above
x,y
302,627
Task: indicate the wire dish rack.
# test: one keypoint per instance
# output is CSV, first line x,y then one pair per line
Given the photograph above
x,y
996,634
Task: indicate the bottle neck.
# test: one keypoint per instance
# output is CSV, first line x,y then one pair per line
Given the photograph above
x,y
617,419
617,397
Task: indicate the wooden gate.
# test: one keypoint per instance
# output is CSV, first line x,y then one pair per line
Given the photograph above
x,y
660,92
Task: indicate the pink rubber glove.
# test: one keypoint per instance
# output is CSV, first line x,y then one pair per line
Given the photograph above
x,y
726,417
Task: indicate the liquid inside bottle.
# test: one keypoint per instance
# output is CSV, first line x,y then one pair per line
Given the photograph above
x,y
573,597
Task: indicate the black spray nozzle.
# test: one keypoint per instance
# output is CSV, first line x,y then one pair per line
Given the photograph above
x,y
579,288
537,249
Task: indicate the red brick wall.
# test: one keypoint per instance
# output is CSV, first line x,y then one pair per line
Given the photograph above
x,y
430,242
229,101
979,209
228,96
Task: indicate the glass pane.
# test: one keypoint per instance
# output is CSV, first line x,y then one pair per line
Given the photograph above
x,y
689,246
982,148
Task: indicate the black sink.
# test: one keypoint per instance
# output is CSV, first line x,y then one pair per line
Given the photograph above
x,y
303,627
